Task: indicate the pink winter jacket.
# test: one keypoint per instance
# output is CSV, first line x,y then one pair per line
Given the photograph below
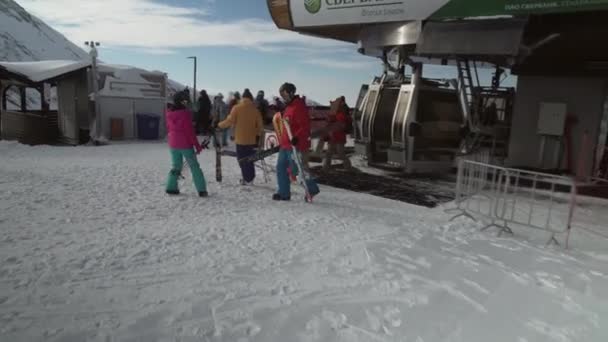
x,y
181,133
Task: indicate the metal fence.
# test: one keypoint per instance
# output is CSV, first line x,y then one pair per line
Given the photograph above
x,y
507,196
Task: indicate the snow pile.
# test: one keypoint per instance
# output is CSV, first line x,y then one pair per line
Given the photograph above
x,y
92,250
44,70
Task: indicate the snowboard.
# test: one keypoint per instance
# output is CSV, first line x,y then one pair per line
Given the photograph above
x,y
218,155
263,154
260,155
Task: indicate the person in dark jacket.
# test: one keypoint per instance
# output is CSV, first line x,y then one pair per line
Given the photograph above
x,y
345,106
204,112
219,114
278,105
263,107
186,92
234,100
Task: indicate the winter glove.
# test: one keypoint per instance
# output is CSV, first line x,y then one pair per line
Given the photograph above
x,y
294,141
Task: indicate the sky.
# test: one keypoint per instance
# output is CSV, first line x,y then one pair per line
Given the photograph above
x,y
236,43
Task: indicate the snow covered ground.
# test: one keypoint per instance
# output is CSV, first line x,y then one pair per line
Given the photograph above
x,y
91,249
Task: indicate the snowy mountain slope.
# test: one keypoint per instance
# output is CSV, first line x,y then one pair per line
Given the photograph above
x,y
24,37
91,249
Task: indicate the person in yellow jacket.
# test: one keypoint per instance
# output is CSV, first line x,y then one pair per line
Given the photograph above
x,y
248,127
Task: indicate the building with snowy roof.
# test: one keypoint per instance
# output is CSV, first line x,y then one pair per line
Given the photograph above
x,y
55,118
127,92
65,113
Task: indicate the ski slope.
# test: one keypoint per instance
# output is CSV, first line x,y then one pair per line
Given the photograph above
x,y
91,249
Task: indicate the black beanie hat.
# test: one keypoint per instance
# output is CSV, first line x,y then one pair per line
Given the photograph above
x,y
247,94
179,98
288,87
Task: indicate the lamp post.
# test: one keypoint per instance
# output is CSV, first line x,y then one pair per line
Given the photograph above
x,y
194,90
95,82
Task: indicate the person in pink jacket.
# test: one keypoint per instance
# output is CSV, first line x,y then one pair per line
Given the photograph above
x,y
183,145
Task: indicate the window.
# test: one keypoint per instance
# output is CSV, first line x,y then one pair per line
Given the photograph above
x,y
438,106
400,118
368,113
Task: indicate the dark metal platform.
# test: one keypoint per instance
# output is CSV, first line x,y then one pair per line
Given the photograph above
x,y
423,190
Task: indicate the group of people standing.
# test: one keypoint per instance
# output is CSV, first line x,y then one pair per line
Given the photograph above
x,y
246,117
211,112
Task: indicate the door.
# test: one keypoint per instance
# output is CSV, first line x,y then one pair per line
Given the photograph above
x,y
367,118
601,158
67,113
358,111
118,108
404,105
384,116
2,101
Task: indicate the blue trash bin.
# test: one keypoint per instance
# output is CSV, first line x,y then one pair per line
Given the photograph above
x,y
148,126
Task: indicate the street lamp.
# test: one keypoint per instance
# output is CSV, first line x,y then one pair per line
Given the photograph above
x,y
194,91
95,82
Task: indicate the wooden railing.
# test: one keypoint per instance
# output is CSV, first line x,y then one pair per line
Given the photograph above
x,y
31,128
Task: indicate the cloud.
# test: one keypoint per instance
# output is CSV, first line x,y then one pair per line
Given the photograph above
x,y
145,24
149,51
154,27
343,63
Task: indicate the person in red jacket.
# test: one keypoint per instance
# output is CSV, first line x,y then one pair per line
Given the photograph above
x,y
338,120
296,112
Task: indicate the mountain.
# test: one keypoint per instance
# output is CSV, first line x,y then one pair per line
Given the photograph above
x,y
23,37
312,103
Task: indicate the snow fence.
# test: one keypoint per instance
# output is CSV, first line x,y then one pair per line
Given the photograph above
x,y
507,196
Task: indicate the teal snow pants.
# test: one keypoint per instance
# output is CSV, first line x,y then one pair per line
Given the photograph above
x,y
177,159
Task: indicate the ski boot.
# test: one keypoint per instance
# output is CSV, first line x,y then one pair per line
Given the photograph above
x,y
278,197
